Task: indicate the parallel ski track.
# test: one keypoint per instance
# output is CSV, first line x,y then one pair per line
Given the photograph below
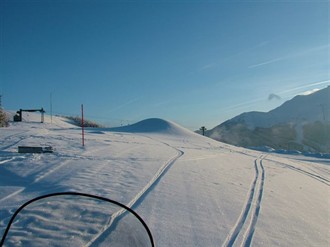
x,y
251,210
306,173
249,234
139,196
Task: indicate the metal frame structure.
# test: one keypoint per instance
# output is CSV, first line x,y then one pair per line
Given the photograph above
x,y
18,116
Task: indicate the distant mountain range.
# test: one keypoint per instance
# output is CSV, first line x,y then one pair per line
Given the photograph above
x,y
302,124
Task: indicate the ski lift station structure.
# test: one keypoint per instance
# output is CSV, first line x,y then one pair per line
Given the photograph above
x,y
18,116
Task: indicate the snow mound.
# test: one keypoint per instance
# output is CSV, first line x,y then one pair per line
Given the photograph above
x,y
154,125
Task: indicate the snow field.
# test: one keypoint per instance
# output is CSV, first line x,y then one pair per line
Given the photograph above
x,y
191,190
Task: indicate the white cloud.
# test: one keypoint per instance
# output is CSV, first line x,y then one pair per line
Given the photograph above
x,y
306,86
125,104
267,62
293,55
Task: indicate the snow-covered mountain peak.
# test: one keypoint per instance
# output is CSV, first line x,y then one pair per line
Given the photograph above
x,y
302,123
300,109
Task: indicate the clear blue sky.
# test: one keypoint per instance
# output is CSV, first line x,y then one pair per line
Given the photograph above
x,y
193,62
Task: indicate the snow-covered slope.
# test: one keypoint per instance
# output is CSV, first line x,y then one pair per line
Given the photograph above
x,y
302,123
190,190
154,125
300,109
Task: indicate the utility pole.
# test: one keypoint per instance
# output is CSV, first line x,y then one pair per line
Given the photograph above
x,y
82,125
51,108
203,129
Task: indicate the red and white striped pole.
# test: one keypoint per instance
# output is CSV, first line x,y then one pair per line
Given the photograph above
x,y
82,125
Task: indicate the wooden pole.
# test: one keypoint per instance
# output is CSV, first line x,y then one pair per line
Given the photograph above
x,y
82,125
51,108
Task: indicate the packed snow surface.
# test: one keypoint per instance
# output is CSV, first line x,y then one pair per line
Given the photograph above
x,y
189,189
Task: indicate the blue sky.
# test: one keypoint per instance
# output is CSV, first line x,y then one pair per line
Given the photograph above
x,y
193,62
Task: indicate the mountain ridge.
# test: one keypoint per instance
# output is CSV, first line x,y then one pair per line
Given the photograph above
x,y
302,123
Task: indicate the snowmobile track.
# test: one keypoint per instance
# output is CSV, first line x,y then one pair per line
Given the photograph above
x,y
246,223
139,196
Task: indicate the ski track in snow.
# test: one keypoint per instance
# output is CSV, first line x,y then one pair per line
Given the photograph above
x,y
306,173
138,198
42,175
12,194
34,182
6,160
254,218
13,143
244,228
